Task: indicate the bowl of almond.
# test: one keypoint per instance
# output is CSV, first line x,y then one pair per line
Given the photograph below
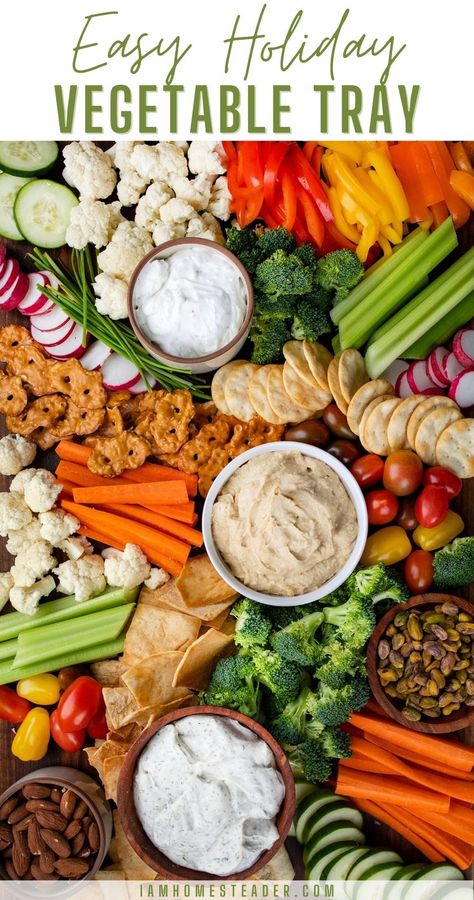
x,y
55,824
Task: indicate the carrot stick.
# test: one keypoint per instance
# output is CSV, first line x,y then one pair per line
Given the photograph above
x,y
128,531
362,764
449,786
171,492
158,559
184,512
390,790
77,453
452,753
417,758
177,529
459,852
67,488
452,824
381,813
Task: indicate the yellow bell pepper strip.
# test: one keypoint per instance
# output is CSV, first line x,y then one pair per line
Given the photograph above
x,y
385,213
385,245
349,231
40,689
32,738
352,150
391,233
388,178
368,239
341,172
460,157
437,537
463,184
443,165
387,545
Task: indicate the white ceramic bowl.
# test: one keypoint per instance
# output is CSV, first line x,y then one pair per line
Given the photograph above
x,y
352,489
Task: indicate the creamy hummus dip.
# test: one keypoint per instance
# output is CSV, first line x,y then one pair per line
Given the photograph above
x,y
207,791
284,523
191,304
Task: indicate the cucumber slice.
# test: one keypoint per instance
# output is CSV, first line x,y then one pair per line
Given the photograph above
x,y
338,811
303,789
337,831
27,157
439,872
320,858
308,807
9,188
337,869
381,872
42,211
370,859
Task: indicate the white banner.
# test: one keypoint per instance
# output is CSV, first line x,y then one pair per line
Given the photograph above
x,y
305,69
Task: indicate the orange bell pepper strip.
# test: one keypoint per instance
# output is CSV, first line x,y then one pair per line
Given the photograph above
x,y
463,184
412,186
443,164
425,173
309,149
440,213
460,157
288,189
314,220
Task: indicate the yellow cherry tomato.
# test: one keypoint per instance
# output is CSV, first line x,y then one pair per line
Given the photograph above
x,y
32,738
40,689
387,545
437,537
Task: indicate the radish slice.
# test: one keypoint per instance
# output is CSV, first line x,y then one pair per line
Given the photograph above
x,y
463,347
452,367
402,388
49,321
10,275
70,346
34,301
433,392
53,338
394,370
11,298
95,355
51,279
418,378
462,388
3,254
140,386
435,366
118,373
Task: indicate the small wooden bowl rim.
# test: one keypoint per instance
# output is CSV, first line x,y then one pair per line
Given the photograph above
x,y
460,719
132,826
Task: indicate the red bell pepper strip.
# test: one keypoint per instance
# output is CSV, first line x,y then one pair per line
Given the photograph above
x,y
314,221
316,159
251,209
289,197
310,182
229,151
272,168
309,149
334,240
443,165
250,169
273,219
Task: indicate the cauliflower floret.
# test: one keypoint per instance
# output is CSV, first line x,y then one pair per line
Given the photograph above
x,y
156,579
219,204
121,153
183,145
22,538
111,296
6,583
56,526
128,246
26,599
130,187
206,227
206,157
14,513
93,222
148,210
34,561
89,169
41,491
127,569
176,211
83,577
75,547
15,453
196,191
19,482
160,162
163,233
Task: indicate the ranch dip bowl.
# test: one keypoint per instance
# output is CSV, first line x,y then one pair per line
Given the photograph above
x,y
190,304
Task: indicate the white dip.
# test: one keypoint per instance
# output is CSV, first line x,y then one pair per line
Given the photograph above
x,y
191,304
207,791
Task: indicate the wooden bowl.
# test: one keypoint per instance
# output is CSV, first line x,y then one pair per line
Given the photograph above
x,y
457,720
132,826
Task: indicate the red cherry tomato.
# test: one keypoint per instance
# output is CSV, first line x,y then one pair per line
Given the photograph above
x,y
419,571
345,451
406,514
79,703
368,470
403,472
444,478
12,707
97,727
69,741
432,505
382,507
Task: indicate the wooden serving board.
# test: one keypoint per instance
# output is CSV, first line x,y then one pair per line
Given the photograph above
x,y
11,769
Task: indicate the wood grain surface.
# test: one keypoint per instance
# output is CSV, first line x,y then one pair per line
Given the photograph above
x,y
11,768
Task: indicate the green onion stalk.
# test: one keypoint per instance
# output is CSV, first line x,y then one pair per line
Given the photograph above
x,y
75,296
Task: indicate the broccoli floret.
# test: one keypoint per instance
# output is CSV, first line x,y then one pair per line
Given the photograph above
x,y
355,620
244,243
309,762
280,676
380,583
268,335
296,642
337,597
454,564
331,706
339,271
289,726
310,321
273,239
233,685
253,626
341,665
283,274
336,743
305,252
282,616
275,307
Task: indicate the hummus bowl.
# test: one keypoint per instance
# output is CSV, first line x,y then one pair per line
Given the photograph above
x,y
348,509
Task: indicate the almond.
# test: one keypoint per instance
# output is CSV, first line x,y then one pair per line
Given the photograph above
x,y
35,805
20,860
10,870
68,803
24,824
21,841
3,845
49,818
46,862
78,843
71,868
56,842
36,843
35,791
8,807
17,814
6,833
81,810
56,795
93,837
38,874
72,829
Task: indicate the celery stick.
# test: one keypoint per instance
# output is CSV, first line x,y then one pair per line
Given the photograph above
x,y
13,624
438,300
415,294
8,649
440,333
376,274
9,674
357,326
336,345
98,628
